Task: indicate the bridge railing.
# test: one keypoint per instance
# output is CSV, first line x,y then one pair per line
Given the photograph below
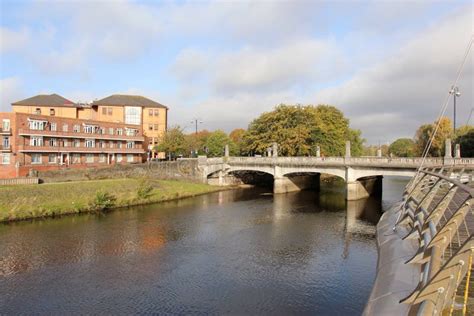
x,y
370,161
438,211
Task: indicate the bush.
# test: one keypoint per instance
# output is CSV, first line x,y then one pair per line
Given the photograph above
x,y
102,201
144,189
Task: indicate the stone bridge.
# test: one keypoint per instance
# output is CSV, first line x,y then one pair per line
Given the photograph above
x,y
362,175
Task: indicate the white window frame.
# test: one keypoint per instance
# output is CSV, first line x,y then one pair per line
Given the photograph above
x,y
119,157
55,158
5,159
129,157
89,143
6,125
111,130
6,142
33,162
37,125
76,158
54,127
53,142
89,129
119,131
76,128
65,127
36,141
102,158
130,145
77,143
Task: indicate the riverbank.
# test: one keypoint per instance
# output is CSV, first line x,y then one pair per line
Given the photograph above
x,y
33,201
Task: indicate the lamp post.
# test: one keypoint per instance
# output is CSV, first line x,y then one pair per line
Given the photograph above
x,y
455,92
196,121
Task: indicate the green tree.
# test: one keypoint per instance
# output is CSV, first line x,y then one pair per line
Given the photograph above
x,y
237,137
195,142
425,132
299,129
216,142
173,143
403,147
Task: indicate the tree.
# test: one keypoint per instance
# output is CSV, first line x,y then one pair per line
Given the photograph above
x,y
403,147
425,132
466,142
237,137
299,129
173,143
216,143
195,142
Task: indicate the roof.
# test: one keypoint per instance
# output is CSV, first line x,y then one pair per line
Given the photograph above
x,y
128,100
46,100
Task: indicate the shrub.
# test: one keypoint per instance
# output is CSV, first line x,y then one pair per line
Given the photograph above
x,y
144,189
102,201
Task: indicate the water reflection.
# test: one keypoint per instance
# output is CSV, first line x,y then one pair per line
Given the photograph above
x,y
240,252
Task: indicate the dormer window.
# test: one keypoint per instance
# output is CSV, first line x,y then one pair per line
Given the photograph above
x,y
52,112
38,111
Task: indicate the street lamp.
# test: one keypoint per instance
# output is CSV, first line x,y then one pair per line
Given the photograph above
x,y
196,121
455,92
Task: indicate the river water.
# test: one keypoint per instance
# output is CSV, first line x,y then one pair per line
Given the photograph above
x,y
233,252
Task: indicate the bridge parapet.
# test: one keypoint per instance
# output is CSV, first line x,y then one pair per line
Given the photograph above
x,y
426,248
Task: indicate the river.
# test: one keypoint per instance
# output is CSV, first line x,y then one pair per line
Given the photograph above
x,y
233,252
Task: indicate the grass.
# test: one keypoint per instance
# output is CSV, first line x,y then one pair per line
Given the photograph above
x,y
31,201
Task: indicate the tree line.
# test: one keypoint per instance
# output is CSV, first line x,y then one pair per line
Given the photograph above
x,y
297,129
300,129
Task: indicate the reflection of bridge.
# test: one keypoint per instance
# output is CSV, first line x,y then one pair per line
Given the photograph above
x,y
361,175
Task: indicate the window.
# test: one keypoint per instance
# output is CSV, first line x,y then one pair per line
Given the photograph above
x,y
38,111
6,125
129,158
52,112
36,141
90,143
131,131
155,127
52,158
89,158
53,142
150,112
6,142
119,144
130,144
150,127
77,143
101,157
36,158
119,131
5,159
37,125
54,127
102,144
110,111
157,112
104,111
65,143
111,144
76,158
76,128
119,157
111,130
65,127
89,129
133,115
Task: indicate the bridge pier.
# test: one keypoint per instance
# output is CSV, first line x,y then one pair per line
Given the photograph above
x,y
294,183
363,188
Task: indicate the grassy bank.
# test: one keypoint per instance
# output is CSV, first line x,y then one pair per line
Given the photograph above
x,y
31,201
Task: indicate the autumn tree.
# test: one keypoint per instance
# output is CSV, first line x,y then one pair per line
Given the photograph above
x,y
299,129
237,137
195,142
216,142
173,143
466,140
403,147
426,131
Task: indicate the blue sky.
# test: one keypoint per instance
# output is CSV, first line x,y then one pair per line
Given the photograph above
x,y
387,65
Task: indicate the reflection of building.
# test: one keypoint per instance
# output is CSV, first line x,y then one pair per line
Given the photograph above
x,y
48,131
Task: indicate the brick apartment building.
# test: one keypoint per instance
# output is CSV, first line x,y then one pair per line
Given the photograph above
x,y
50,132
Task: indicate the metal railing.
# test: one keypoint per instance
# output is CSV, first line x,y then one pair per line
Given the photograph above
x,y
438,212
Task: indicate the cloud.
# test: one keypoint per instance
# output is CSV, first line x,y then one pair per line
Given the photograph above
x,y
11,90
410,85
13,40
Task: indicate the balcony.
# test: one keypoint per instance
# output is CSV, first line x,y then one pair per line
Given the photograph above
x,y
5,131
62,149
71,134
4,148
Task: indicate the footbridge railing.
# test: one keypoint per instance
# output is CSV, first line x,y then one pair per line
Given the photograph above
x,y
426,248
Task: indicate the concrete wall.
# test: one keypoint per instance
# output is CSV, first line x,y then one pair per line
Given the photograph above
x,y
294,183
363,188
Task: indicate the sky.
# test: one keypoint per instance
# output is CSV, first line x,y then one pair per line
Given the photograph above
x,y
388,65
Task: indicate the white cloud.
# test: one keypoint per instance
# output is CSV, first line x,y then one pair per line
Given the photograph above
x,y
13,40
10,91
